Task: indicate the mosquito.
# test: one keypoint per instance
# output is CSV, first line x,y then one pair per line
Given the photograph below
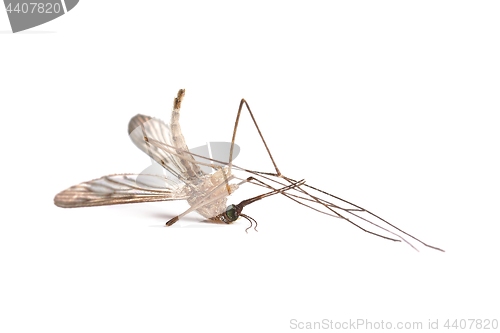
x,y
207,193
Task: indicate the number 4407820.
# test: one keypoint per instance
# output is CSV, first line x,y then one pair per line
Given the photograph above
x,y
472,323
34,7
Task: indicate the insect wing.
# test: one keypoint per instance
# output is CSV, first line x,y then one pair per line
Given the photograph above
x,y
144,130
120,189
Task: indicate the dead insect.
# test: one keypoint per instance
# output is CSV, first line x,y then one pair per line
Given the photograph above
x,y
206,192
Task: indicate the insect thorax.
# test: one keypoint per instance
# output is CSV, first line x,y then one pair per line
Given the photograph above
x,y
212,186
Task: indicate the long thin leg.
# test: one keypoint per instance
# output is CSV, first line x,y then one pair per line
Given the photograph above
x,y
297,187
312,198
278,173
177,103
244,102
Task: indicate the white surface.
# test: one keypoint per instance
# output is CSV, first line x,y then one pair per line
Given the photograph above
x,y
393,106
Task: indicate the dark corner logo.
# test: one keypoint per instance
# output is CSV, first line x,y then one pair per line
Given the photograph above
x,y
25,14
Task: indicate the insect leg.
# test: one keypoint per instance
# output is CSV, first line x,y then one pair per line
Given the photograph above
x,y
244,102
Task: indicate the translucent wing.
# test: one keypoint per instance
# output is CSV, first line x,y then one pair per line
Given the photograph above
x,y
182,165
120,189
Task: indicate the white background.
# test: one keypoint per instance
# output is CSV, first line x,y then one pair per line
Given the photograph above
x,y
390,104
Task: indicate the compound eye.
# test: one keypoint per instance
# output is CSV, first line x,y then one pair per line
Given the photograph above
x,y
232,213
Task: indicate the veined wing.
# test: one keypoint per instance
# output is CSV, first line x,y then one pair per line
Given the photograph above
x,y
182,164
121,189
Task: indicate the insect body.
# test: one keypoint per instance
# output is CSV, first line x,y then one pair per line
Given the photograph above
x,y
206,192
